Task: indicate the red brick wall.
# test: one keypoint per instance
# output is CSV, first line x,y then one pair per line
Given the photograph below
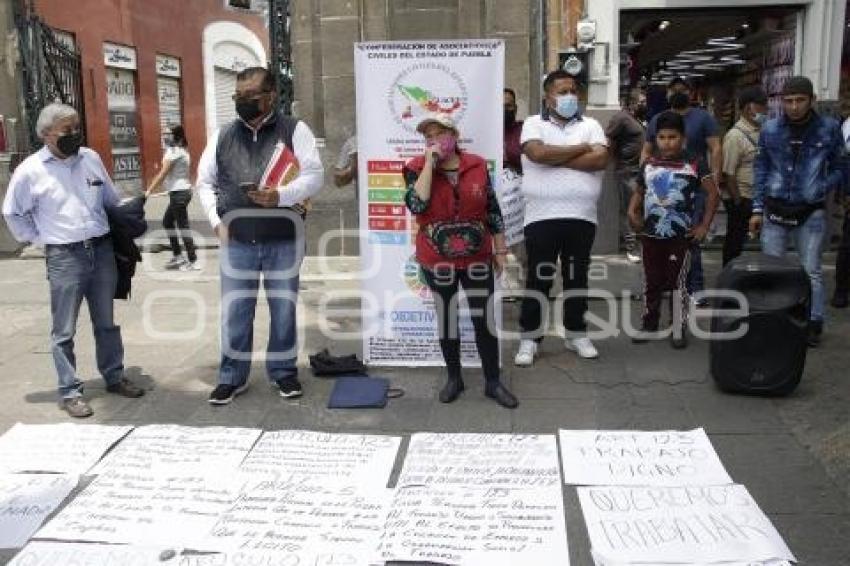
x,y
170,27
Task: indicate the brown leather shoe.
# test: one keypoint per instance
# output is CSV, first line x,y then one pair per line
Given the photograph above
x,y
125,388
76,407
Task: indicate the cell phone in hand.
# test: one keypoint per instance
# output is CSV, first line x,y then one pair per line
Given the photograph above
x,y
247,187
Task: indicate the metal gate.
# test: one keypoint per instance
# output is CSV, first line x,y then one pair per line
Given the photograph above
x,y
281,51
51,72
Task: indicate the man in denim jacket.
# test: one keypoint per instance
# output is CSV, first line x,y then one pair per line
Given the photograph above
x,y
800,160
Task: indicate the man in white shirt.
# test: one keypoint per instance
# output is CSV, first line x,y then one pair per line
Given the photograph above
x,y
261,231
58,197
564,154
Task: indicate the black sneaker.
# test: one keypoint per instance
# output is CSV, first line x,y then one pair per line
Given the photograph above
x,y
224,394
290,387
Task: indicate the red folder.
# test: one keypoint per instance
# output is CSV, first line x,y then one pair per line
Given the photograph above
x,y
282,169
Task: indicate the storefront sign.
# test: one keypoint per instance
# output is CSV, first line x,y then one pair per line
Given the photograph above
x,y
168,91
168,66
123,131
127,167
119,56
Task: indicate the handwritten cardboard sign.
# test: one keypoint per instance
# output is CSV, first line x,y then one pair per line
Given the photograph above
x,y
39,553
56,448
304,518
324,455
145,508
26,500
492,460
684,524
472,525
173,448
620,457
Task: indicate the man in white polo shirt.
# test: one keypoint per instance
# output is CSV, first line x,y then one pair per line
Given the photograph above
x,y
564,154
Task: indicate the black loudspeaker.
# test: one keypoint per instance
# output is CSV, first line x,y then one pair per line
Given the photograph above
x,y
770,357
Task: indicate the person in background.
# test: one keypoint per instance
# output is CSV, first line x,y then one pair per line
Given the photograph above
x,y
703,138
460,243
345,168
625,133
842,258
661,209
789,193
254,242
174,177
59,197
512,162
564,155
740,146
512,158
799,161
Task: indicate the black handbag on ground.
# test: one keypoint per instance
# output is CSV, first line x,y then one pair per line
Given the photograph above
x,y
326,365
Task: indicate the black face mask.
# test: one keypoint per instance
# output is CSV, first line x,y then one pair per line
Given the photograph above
x,y
69,144
510,117
679,100
640,111
248,110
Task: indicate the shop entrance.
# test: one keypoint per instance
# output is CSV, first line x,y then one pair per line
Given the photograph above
x,y
719,51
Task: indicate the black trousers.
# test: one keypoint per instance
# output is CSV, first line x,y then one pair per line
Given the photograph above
x,y
842,260
177,215
478,282
737,227
547,241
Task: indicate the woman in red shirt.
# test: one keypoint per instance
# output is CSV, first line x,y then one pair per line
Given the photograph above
x,y
460,242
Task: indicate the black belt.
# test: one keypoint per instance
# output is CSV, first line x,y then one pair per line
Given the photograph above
x,y
87,243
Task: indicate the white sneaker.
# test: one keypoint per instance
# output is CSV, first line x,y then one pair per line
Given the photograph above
x,y
633,256
583,347
190,266
525,354
176,262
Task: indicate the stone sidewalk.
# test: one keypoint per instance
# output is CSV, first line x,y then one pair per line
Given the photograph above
x,y
793,454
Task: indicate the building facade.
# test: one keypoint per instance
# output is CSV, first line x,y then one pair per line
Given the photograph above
x,y
149,65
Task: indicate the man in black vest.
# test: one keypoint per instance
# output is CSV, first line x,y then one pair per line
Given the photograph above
x,y
261,230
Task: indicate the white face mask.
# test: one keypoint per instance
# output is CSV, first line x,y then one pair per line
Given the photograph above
x,y
760,118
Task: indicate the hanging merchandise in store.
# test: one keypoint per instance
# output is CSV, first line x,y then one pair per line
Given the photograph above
x,y
123,117
169,94
719,51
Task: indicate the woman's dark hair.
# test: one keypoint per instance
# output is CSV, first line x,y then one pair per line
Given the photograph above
x,y
179,136
670,120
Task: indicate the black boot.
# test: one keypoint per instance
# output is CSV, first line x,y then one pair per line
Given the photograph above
x,y
815,331
498,392
452,389
839,299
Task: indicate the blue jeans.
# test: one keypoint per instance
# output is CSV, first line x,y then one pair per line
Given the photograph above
x,y
696,278
808,240
279,263
76,272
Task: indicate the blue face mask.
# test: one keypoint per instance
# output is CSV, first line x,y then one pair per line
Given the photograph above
x,y
760,118
566,105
